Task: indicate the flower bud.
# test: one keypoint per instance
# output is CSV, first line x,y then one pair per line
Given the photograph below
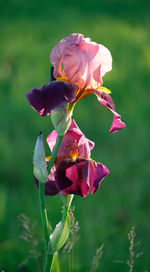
x,y
61,118
40,168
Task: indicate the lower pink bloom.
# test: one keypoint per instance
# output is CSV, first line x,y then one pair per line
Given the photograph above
x,y
74,172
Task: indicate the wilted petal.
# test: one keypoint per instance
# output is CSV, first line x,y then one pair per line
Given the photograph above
x,y
51,96
117,124
107,101
93,173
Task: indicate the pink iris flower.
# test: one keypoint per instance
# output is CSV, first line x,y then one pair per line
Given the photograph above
x,y
78,67
74,172
82,62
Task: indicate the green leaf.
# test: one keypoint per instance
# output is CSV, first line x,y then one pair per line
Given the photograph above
x,y
55,263
60,234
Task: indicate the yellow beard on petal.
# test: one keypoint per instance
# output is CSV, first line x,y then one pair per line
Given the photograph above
x,y
85,92
64,79
104,89
74,155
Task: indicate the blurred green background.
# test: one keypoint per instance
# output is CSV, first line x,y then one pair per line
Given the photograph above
x,y
29,30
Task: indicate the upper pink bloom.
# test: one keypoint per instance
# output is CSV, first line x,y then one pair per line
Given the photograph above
x,y
81,61
78,68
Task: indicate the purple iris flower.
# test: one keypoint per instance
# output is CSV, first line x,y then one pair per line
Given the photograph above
x,y
74,172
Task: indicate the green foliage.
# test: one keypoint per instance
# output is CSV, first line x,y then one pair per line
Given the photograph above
x,y
29,30
55,267
60,234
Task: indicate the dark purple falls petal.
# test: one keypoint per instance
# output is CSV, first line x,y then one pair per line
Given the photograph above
x,y
51,96
107,101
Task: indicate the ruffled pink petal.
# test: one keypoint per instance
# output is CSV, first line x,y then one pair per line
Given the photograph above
x,y
74,143
105,58
58,51
84,62
107,101
79,64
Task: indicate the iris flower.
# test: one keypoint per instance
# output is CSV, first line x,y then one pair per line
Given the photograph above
x,y
74,172
79,65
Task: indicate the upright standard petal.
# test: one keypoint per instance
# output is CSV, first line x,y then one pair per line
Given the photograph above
x,y
51,96
58,51
81,61
107,101
74,144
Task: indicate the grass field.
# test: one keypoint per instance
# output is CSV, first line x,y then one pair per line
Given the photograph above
x,y
29,30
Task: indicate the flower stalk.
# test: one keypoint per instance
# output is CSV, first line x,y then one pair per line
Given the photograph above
x,y
52,160
39,152
44,218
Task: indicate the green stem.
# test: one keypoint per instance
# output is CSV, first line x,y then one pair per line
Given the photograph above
x,y
43,213
52,160
48,262
45,224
